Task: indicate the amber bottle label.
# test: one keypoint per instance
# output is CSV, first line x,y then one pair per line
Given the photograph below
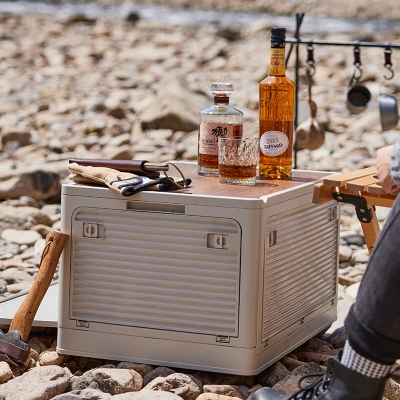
x,y
209,133
273,143
277,62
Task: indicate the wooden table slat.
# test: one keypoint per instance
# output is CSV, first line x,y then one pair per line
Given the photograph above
x,y
340,180
361,184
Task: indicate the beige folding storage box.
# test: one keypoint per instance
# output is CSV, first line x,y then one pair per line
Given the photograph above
x,y
219,277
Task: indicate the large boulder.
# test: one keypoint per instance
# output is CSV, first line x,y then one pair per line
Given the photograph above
x,y
174,107
40,185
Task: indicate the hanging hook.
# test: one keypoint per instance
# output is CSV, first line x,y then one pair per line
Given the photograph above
x,y
388,63
357,63
310,60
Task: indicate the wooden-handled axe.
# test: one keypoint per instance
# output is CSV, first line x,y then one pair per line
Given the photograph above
x,y
13,346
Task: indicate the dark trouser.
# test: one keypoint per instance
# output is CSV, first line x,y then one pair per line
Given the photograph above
x,y
373,323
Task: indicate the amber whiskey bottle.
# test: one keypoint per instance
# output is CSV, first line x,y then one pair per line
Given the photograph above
x,y
277,97
219,120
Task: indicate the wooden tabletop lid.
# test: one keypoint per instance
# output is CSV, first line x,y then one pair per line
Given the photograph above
x,y
210,186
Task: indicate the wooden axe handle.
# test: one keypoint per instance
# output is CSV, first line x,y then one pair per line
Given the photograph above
x,y
23,318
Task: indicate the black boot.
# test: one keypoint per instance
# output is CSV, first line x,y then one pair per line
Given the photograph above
x,y
337,383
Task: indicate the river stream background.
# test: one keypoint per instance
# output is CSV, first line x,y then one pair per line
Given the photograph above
x,y
174,15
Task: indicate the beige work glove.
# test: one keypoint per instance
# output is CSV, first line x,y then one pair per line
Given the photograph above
x,y
124,183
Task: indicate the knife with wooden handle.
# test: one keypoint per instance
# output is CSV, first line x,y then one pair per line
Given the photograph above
x,y
139,167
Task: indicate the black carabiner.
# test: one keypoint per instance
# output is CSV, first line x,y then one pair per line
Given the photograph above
x,y
357,56
310,60
357,64
388,63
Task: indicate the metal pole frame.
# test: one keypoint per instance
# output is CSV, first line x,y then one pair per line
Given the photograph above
x,y
297,41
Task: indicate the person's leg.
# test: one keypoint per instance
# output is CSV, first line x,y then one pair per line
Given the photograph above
x,y
373,323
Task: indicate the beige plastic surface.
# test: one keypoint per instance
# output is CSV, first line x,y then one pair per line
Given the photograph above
x,y
228,327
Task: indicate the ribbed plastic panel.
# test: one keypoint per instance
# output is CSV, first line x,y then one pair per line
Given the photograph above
x,y
156,270
300,265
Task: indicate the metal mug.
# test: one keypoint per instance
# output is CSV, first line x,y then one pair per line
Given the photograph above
x,y
358,97
388,111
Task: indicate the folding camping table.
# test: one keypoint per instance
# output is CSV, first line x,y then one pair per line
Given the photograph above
x,y
360,188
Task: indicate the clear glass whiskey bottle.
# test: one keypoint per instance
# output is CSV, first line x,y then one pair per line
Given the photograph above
x,y
219,120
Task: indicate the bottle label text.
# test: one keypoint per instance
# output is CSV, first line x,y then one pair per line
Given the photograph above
x,y
273,143
209,133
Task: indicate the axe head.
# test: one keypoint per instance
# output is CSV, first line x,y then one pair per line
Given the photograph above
x,y
12,349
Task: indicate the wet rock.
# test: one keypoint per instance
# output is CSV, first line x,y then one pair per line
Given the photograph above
x,y
133,17
78,17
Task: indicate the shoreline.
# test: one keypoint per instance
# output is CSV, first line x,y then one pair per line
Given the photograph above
x,y
370,9
186,13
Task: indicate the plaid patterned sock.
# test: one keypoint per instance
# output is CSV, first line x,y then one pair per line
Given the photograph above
x,y
358,363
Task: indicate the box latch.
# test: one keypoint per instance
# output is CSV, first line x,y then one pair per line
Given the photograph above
x,y
92,230
272,238
217,241
223,339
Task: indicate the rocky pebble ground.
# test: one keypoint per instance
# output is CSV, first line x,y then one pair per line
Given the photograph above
x,y
127,88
